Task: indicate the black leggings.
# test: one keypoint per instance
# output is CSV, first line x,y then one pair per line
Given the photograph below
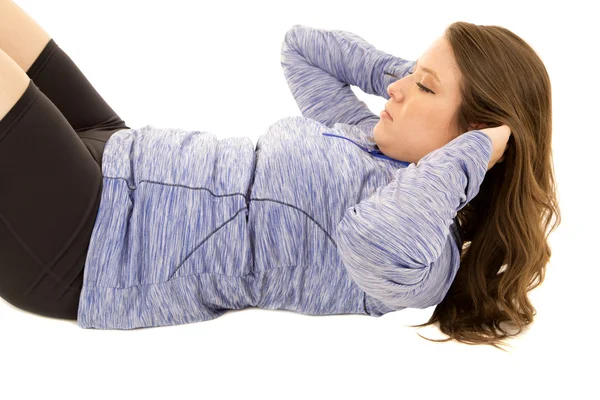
x,y
51,145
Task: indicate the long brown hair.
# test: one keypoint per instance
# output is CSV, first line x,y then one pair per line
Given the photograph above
x,y
505,226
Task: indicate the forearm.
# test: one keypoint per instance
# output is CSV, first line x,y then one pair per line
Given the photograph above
x,y
349,58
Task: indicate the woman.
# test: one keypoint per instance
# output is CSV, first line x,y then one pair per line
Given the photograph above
x,y
337,211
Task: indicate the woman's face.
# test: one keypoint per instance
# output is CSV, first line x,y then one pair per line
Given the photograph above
x,y
422,121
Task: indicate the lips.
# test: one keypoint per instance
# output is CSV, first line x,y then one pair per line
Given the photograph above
x,y
389,113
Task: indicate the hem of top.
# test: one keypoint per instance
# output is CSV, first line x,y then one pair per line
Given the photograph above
x,y
183,300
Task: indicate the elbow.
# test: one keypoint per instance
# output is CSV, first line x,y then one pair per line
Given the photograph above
x,y
421,298
430,289
404,288
401,287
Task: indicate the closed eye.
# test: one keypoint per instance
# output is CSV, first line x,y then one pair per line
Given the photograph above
x,y
424,88
421,87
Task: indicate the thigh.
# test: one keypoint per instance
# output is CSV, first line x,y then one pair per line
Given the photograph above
x,y
50,193
59,78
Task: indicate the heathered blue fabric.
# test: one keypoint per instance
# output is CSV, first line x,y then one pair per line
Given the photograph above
x,y
190,226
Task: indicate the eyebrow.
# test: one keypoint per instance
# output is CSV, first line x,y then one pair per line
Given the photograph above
x,y
432,72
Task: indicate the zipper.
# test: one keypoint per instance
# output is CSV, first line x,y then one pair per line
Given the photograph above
x,y
373,152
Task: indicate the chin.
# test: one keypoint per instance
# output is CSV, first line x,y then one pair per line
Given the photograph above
x,y
374,133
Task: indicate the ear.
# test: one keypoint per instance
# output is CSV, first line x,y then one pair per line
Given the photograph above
x,y
477,126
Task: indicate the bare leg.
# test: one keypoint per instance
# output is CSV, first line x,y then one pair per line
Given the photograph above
x,y
21,37
13,82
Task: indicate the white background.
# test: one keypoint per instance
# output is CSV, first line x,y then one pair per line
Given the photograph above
x,y
215,66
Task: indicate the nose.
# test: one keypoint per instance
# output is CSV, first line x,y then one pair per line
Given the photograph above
x,y
393,90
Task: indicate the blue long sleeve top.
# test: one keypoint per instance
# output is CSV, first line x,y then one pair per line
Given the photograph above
x,y
313,219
